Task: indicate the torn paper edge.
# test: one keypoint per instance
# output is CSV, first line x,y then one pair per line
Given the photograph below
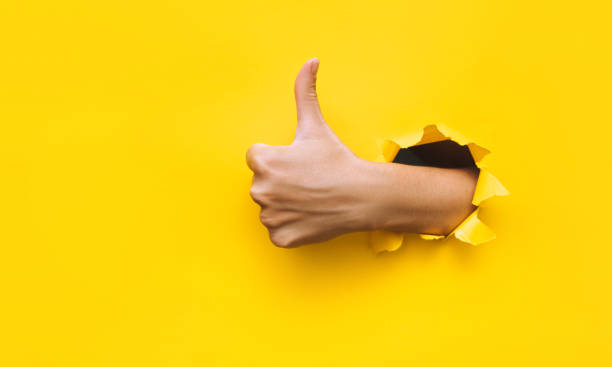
x,y
471,230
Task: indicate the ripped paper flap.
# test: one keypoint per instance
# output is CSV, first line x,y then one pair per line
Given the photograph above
x,y
471,229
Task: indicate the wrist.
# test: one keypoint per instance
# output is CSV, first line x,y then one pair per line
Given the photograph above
x,y
373,192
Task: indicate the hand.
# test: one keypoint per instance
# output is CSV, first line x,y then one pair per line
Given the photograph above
x,y
304,189
316,188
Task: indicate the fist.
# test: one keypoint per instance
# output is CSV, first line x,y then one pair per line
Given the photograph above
x,y
309,191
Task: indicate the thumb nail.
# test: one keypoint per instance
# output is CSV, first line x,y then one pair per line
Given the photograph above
x,y
315,66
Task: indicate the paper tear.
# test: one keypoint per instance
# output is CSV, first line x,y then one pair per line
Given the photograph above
x,y
471,229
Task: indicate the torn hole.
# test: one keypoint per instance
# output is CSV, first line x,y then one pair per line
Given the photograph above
x,y
442,154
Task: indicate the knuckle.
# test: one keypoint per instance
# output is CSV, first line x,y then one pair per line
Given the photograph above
x,y
280,239
256,157
261,194
257,194
271,218
268,219
253,149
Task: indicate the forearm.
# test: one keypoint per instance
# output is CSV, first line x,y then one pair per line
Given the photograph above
x,y
415,199
315,188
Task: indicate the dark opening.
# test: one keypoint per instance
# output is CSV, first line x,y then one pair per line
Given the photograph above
x,y
443,154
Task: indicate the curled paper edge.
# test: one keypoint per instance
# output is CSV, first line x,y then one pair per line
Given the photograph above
x,y
471,230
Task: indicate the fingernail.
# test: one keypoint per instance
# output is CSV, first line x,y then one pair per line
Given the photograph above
x,y
314,66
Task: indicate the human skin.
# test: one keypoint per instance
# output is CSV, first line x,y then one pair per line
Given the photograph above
x,y
317,188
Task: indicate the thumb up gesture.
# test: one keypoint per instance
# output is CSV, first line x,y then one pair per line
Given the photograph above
x,y
315,188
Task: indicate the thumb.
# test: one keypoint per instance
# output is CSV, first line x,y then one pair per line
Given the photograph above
x,y
310,119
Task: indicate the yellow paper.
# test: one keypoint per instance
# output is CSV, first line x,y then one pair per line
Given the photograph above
x,y
471,229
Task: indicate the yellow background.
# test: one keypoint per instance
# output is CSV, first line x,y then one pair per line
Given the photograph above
x,y
128,236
